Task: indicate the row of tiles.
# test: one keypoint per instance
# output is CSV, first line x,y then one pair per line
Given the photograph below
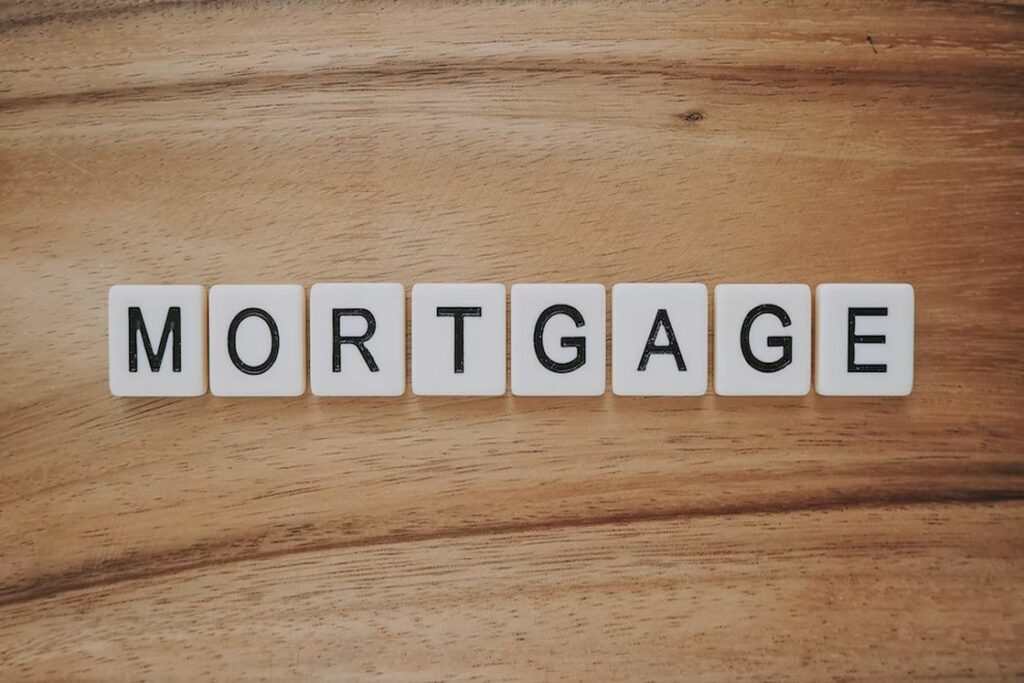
x,y
257,339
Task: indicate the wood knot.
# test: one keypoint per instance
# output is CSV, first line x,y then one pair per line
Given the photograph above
x,y
692,116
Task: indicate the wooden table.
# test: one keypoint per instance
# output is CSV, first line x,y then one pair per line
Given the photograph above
x,y
512,538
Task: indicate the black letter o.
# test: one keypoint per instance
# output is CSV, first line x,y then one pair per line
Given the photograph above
x,y
275,341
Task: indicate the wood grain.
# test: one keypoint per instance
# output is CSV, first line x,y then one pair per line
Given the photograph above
x,y
580,539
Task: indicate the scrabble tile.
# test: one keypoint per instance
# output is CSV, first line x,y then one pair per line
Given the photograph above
x,y
257,340
762,340
659,339
458,339
865,340
357,339
558,340
157,340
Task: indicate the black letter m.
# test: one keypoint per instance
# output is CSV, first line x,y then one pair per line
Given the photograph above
x,y
137,326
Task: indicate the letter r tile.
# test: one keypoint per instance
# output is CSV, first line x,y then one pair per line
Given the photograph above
x,y
357,339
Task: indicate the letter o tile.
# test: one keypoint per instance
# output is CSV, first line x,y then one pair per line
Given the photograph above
x,y
257,340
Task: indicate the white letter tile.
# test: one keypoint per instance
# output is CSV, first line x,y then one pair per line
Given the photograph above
x,y
458,339
874,323
268,326
673,361
775,321
165,326
370,319
558,339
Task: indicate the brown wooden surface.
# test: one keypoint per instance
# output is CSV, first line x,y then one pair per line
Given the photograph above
x,y
581,539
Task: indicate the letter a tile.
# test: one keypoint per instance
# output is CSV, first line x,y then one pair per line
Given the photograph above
x,y
659,339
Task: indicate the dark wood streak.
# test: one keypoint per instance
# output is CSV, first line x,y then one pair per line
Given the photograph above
x,y
979,76
101,13
141,566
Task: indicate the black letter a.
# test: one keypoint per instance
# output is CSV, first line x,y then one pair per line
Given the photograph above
x,y
661,320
